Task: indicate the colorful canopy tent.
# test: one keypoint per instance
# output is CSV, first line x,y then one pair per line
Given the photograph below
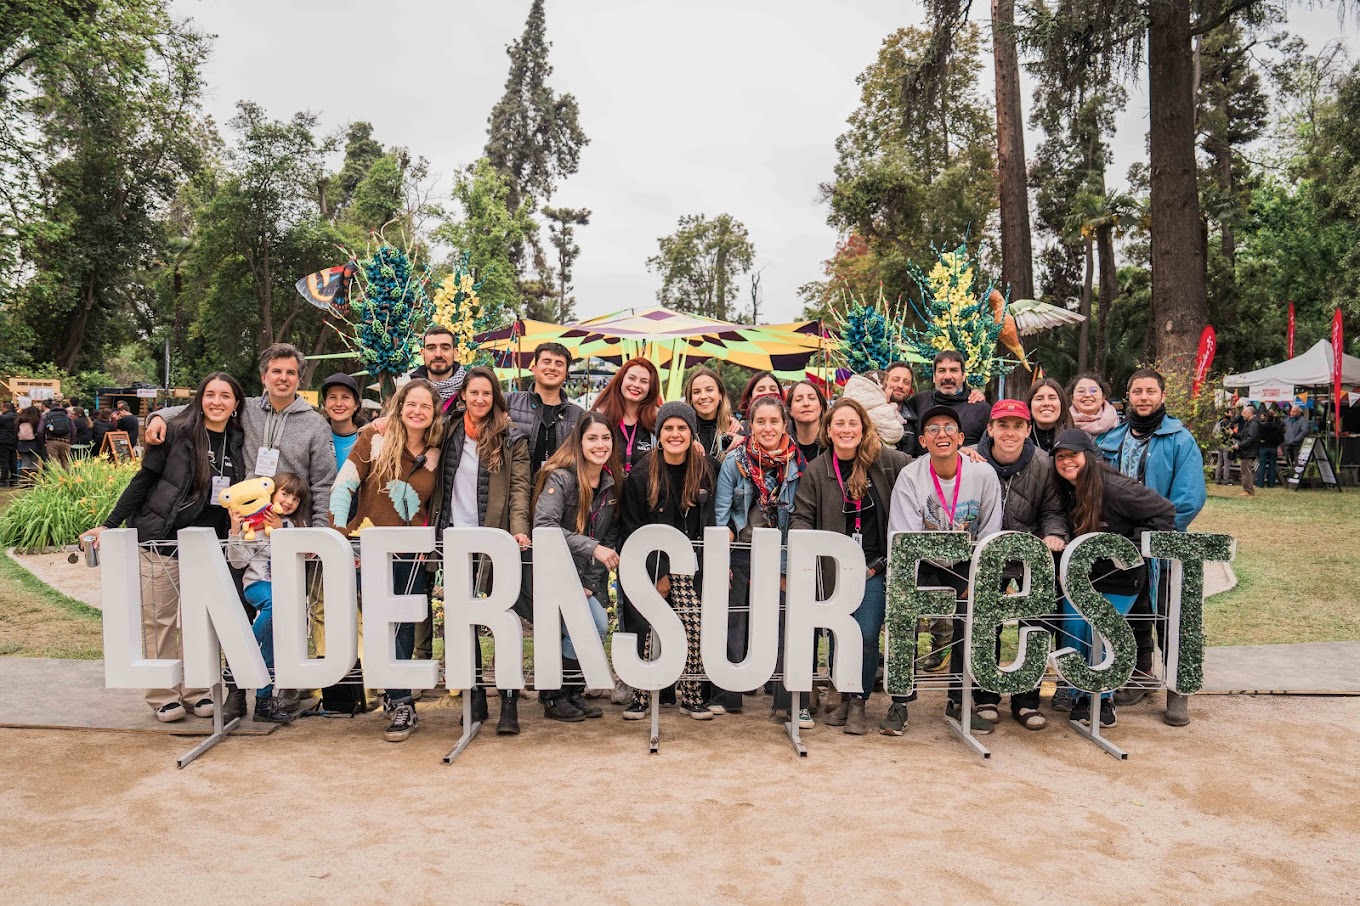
x,y
1311,369
672,340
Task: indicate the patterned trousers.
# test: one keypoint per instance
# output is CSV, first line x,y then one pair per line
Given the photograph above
x,y
685,602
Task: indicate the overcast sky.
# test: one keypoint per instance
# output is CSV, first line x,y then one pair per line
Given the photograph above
x,y
700,107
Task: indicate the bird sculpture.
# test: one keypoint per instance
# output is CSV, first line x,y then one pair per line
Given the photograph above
x,y
1010,334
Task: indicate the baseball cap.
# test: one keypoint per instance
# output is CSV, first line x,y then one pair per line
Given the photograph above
x,y
1076,440
934,411
340,379
1010,409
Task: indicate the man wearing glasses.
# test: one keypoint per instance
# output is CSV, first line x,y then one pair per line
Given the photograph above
x,y
945,492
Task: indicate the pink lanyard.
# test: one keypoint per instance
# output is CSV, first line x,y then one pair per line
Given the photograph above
x,y
949,510
836,464
628,457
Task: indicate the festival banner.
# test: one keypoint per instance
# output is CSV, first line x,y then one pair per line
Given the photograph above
x,y
1338,355
1289,344
1208,343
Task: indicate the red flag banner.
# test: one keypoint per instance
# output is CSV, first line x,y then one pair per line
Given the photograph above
x,y
1338,352
1289,346
1208,343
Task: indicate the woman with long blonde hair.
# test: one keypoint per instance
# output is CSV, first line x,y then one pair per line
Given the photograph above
x,y
848,489
394,476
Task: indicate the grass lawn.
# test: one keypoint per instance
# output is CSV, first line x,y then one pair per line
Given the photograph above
x,y
1297,565
1297,562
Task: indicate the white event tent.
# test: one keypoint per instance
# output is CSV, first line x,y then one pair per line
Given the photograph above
x,y
1311,369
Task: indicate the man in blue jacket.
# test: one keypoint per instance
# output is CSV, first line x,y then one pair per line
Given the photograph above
x,y
1158,451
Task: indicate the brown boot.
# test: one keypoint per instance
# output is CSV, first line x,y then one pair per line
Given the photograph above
x,y
838,717
854,723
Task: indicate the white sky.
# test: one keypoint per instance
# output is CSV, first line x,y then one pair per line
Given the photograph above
x,y
701,107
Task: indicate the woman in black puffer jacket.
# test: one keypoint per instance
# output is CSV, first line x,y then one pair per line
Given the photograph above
x,y
176,488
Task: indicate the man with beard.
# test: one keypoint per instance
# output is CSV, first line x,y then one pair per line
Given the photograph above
x,y
951,389
544,413
439,367
1158,451
897,384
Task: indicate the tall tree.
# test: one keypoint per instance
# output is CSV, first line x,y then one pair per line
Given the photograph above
x,y
535,136
487,230
700,265
1017,256
562,224
915,169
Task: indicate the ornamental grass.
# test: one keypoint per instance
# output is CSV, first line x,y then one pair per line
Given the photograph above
x,y
63,502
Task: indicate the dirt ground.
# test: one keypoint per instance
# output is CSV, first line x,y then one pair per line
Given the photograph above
x,y
1255,801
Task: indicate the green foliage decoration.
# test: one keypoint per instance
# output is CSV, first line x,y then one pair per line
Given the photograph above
x,y
1077,561
908,602
991,606
63,502
1188,552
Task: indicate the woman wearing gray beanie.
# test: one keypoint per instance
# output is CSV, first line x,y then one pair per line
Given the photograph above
x,y
673,485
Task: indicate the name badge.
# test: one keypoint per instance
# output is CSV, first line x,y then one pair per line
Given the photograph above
x,y
219,484
858,538
267,462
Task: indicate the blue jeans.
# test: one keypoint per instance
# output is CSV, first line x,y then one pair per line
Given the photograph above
x,y
1265,468
601,619
408,578
869,615
1077,632
260,595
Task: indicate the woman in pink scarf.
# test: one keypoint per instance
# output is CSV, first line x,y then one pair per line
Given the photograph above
x,y
1091,409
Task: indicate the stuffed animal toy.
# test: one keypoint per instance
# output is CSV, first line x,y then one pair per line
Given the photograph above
x,y
252,500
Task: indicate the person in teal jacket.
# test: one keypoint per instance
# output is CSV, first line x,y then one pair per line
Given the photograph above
x,y
1158,451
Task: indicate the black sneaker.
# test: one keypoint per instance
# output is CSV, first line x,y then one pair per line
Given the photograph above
x,y
404,720
896,721
267,711
585,707
1108,717
561,709
1081,711
698,712
1062,698
636,711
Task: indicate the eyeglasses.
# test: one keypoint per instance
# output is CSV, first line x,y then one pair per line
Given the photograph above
x,y
1090,391
950,430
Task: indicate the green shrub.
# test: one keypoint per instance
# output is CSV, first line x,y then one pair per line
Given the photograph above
x,y
64,502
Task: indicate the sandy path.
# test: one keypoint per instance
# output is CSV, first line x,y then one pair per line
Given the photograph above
x,y
1255,801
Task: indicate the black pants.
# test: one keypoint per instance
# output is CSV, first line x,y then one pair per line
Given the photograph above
x,y
1145,623
9,463
738,623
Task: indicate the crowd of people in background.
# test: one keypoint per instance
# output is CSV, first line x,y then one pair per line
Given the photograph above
x,y
451,449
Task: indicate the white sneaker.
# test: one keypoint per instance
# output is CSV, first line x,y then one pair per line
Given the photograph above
x,y
168,714
203,707
622,694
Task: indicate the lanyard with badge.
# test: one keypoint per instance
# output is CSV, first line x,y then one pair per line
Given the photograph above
x,y
949,509
267,459
220,481
628,456
857,535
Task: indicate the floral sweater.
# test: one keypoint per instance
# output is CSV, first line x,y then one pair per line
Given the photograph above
x,y
403,500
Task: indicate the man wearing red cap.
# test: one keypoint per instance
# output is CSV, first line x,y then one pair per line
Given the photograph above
x,y
1029,503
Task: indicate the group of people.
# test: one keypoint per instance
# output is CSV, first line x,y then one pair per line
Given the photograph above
x,y
54,431
1258,442
451,449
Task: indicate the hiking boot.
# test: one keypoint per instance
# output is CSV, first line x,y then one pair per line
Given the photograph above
x,y
203,708
480,714
853,720
698,712
562,709
635,711
1176,714
805,721
585,707
267,711
168,714
404,720
838,717
892,725
1063,699
509,722
934,661
978,725
1136,690
234,707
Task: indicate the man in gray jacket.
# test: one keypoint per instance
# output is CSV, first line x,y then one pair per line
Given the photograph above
x,y
283,432
1296,428
544,415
